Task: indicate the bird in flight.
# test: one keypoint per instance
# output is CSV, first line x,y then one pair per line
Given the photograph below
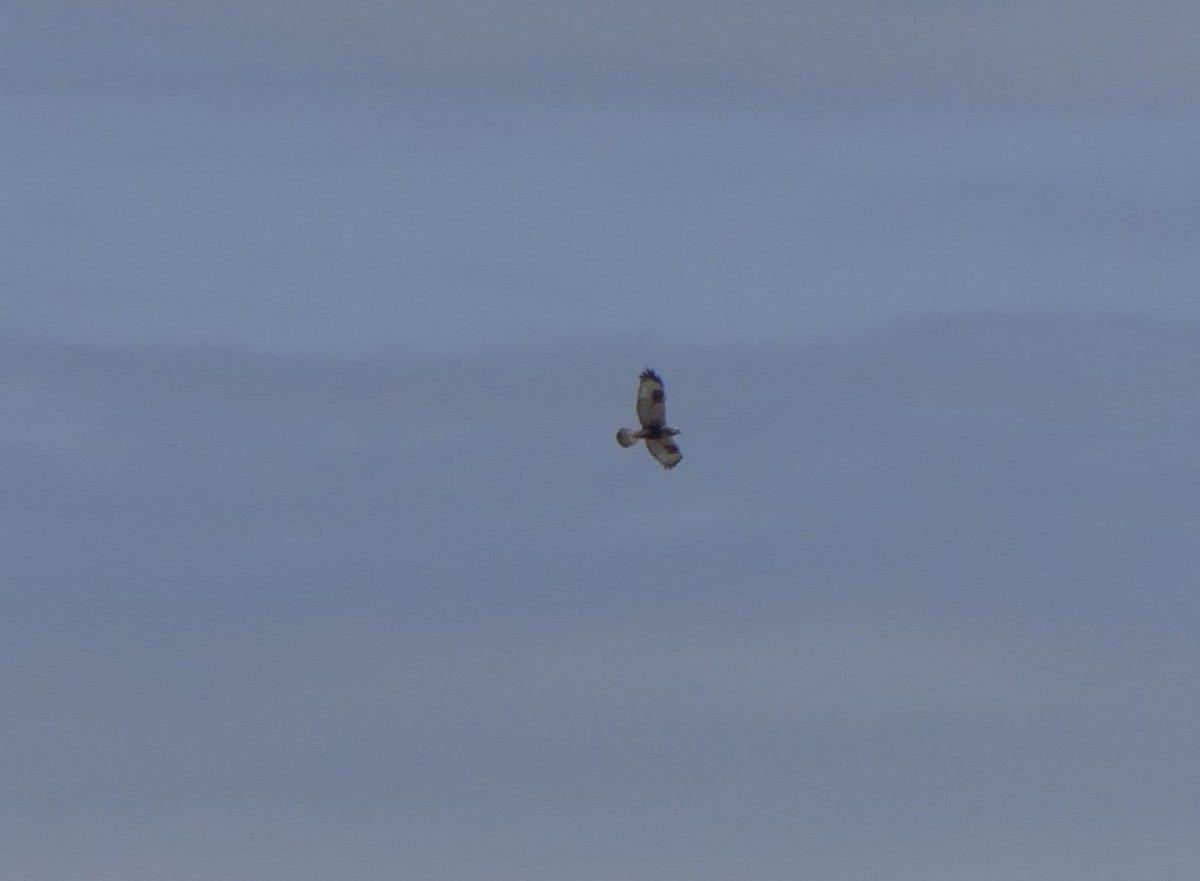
x,y
652,413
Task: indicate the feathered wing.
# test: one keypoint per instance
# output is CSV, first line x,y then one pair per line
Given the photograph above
x,y
651,401
665,451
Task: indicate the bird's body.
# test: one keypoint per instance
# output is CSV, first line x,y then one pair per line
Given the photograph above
x,y
652,414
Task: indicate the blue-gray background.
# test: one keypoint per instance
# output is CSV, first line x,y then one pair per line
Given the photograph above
x,y
319,560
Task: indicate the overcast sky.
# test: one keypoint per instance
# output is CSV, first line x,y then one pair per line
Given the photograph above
x,y
318,558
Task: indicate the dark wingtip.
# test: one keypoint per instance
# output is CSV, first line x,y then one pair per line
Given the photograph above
x,y
650,374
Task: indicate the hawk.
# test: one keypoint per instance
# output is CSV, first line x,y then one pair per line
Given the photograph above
x,y
652,413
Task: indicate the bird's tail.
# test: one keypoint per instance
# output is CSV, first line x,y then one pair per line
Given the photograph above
x,y
625,438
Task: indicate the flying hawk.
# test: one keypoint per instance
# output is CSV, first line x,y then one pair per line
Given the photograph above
x,y
652,413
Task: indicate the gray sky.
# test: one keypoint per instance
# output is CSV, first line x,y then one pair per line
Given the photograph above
x,y
320,560
1100,54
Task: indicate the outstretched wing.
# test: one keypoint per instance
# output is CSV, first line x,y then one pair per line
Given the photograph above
x,y
665,451
651,401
